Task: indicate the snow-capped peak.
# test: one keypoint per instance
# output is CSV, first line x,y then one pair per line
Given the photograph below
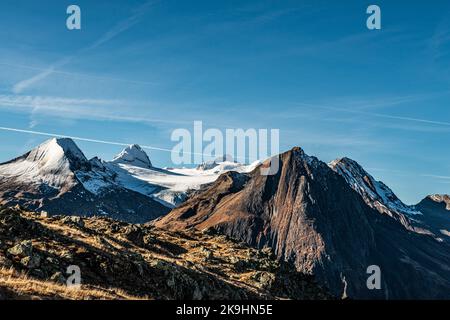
x,y
133,155
375,193
54,153
52,162
67,145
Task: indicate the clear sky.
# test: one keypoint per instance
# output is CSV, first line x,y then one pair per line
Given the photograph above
x,y
137,70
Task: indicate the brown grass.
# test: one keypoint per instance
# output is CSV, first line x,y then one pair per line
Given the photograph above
x,y
25,287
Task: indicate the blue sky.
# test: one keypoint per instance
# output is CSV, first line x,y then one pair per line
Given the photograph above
x,y
137,70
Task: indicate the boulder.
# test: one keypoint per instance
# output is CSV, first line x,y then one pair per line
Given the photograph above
x,y
58,278
31,262
22,249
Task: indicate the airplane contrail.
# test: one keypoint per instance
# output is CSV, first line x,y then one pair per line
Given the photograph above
x,y
80,138
55,135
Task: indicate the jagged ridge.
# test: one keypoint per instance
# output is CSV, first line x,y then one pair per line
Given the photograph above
x,y
310,216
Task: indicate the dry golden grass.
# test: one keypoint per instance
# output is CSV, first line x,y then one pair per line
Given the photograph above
x,y
28,288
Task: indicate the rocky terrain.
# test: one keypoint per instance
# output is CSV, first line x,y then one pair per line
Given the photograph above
x,y
329,221
311,216
124,261
430,216
436,215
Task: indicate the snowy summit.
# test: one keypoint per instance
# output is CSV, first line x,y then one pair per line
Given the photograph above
x,y
135,156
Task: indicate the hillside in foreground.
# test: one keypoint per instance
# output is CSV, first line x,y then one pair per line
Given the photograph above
x,y
124,261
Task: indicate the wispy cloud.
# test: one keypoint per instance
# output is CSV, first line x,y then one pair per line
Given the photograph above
x,y
247,16
121,27
26,101
133,111
77,74
91,109
436,176
376,114
439,39
364,103
22,85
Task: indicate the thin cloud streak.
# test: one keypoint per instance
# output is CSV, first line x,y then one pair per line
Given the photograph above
x,y
98,109
91,109
22,85
121,27
380,115
436,176
54,135
76,74
79,138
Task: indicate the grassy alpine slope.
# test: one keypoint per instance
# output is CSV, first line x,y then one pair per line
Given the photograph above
x,y
125,261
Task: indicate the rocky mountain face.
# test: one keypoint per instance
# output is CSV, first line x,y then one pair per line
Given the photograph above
x,y
443,200
436,215
56,177
118,260
425,218
375,193
311,216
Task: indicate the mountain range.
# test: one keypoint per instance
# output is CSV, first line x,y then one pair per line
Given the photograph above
x,y
331,221
57,178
